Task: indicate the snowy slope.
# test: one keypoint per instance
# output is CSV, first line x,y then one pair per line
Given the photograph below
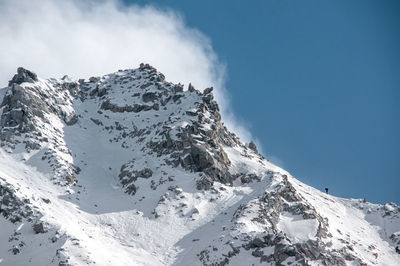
x,y
129,169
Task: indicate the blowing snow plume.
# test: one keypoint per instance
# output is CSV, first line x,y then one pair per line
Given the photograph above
x,y
55,38
58,37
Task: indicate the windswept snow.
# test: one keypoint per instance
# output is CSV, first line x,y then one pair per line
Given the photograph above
x,y
131,126
296,228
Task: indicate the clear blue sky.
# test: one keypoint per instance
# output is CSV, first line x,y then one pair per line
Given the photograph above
x,y
319,83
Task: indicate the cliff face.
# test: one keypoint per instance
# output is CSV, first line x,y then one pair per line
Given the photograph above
x,y
129,169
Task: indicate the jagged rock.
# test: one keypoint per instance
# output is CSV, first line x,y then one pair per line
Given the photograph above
x,y
46,200
12,207
149,97
191,88
128,177
257,243
253,146
136,108
205,183
311,249
248,178
6,200
97,121
144,86
176,97
257,253
131,189
70,179
201,158
54,239
145,173
99,92
23,75
191,113
178,88
174,133
208,90
395,237
334,260
15,250
40,227
72,120
32,145
19,108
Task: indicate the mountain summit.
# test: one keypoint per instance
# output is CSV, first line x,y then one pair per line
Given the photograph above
x,y
129,169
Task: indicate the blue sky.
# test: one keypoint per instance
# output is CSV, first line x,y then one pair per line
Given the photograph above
x,y
317,82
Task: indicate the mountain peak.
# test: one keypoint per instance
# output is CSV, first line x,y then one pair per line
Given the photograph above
x,y
128,169
23,75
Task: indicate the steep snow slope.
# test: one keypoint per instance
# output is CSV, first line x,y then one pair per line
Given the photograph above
x,y
128,169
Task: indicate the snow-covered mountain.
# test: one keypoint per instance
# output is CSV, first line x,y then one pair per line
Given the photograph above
x,y
129,169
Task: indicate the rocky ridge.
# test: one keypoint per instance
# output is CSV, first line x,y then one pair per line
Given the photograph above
x,y
176,161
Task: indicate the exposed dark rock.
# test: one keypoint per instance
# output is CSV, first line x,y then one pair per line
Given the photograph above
x,y
136,108
191,88
19,108
69,121
395,237
6,200
196,144
149,97
198,149
190,113
15,250
178,88
176,97
208,90
257,243
129,176
11,207
131,189
257,253
311,249
156,106
23,75
205,183
97,121
32,145
40,227
70,179
99,92
248,178
54,238
253,146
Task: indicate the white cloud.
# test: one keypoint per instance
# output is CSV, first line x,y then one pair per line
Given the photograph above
x,y
54,38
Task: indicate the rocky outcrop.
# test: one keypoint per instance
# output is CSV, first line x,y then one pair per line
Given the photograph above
x,y
23,75
20,109
128,176
26,106
40,227
266,212
29,110
253,146
199,146
12,207
136,108
171,143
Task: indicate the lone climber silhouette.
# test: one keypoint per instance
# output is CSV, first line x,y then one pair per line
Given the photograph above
x,y
326,190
